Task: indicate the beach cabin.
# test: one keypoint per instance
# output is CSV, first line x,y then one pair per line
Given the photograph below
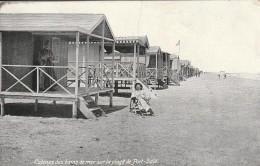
x,y
191,71
130,62
185,68
154,70
175,68
76,36
196,72
166,67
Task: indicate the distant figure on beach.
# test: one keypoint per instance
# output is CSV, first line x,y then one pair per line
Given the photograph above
x,y
222,74
46,59
142,97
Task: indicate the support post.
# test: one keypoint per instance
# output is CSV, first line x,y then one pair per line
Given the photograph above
x,y
36,105
2,107
111,99
167,70
38,79
102,54
138,65
116,87
134,66
117,68
145,65
96,98
77,64
84,62
87,65
113,63
1,43
156,70
75,109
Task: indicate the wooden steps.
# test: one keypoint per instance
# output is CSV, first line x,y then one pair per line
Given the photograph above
x,y
88,106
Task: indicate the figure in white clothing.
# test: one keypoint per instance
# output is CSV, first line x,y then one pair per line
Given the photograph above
x,y
143,98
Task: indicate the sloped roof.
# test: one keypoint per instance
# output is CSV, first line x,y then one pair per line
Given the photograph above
x,y
185,62
165,52
173,56
142,40
153,50
85,23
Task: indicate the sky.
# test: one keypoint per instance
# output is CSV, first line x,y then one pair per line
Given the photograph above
x,y
214,35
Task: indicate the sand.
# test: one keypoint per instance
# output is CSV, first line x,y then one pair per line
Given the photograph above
x,y
204,122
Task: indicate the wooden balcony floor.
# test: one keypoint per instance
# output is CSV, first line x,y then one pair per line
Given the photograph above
x,y
59,94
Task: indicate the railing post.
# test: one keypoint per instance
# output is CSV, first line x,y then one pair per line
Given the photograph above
x,y
1,61
38,80
102,54
113,63
83,62
138,64
134,65
156,66
87,64
77,64
117,68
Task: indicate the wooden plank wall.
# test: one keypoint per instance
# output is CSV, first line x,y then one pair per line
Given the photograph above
x,y
18,50
94,52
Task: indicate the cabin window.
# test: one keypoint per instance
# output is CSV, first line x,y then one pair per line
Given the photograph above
x,y
56,49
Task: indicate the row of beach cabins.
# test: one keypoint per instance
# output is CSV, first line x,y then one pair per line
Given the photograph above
x,y
88,60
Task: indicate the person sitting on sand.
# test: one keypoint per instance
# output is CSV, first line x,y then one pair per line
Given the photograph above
x,y
142,97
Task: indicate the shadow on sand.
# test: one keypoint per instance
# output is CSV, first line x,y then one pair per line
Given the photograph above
x,y
50,110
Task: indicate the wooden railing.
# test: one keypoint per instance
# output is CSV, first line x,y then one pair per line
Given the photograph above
x,y
119,70
166,71
40,70
99,75
124,69
151,73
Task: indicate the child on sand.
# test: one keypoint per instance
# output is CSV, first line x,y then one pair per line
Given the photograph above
x,y
142,97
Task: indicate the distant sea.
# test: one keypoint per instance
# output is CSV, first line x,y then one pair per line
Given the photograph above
x,y
246,75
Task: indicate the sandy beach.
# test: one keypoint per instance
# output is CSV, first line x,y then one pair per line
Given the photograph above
x,y
204,122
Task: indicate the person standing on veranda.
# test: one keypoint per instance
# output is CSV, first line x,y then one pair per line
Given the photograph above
x,y
46,59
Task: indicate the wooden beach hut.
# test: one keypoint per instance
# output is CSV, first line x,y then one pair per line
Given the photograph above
x,y
154,70
185,68
166,67
22,36
130,64
191,71
175,68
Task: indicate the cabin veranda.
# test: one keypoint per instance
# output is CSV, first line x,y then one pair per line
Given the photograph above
x,y
73,38
155,69
131,61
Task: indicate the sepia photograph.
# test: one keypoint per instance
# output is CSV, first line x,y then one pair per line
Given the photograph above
x,y
130,83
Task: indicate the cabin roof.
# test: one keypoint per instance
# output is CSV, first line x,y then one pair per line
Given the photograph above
x,y
142,40
173,56
85,23
153,50
185,62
